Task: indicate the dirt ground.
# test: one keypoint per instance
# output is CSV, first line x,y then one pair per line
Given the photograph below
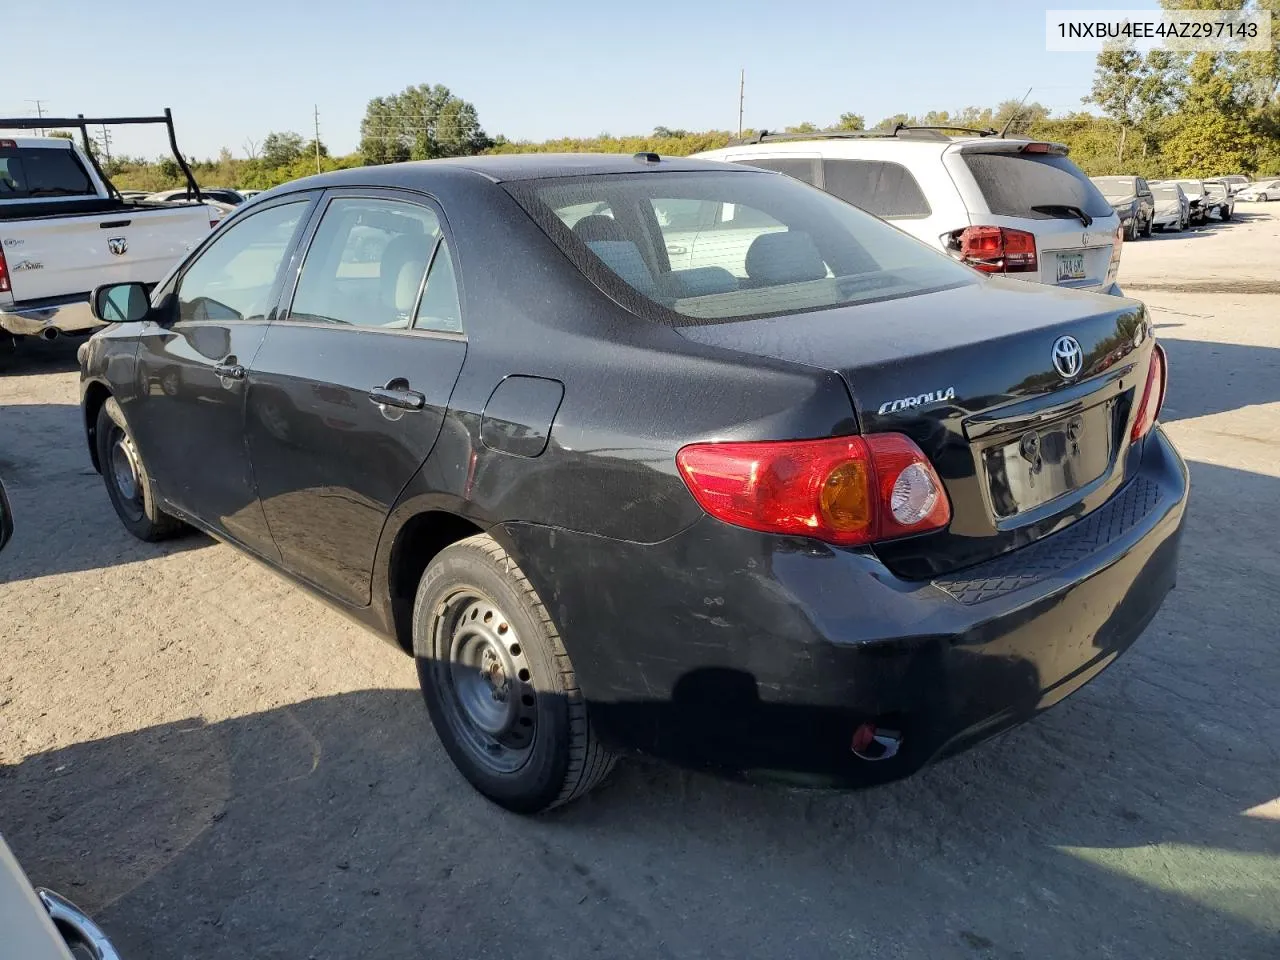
x,y
218,766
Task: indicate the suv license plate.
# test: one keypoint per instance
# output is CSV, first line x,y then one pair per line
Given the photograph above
x,y
1070,266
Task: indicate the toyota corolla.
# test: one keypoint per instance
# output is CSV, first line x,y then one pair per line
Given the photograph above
x,y
653,456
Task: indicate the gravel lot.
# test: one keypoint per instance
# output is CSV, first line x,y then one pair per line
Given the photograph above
x,y
217,765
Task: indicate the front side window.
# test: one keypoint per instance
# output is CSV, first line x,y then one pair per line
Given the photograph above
x,y
801,168
233,277
366,264
689,247
886,189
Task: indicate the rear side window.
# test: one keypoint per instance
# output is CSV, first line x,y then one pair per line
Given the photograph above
x,y
1034,186
366,264
886,189
36,172
802,169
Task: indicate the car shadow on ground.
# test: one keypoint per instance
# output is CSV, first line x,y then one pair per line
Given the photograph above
x,y
1207,377
34,357
63,519
1116,824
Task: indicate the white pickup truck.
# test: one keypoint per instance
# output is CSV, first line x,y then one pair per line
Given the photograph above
x,y
64,230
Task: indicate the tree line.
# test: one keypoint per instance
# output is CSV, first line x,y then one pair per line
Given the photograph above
x,y
1161,114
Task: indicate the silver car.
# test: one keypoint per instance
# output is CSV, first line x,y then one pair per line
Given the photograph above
x,y
1173,210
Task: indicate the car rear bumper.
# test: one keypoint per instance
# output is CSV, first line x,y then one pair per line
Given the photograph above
x,y
61,315
761,656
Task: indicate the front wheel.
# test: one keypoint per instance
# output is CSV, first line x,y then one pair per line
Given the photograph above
x,y
1263,197
1149,229
499,685
1131,232
127,481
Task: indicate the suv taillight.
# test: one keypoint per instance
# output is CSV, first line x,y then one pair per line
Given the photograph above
x,y
844,490
1152,393
994,249
5,285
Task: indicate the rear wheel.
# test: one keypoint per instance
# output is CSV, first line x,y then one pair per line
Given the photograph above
x,y
499,686
127,481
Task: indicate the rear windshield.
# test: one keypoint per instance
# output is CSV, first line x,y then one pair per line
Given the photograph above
x,y
34,172
1191,186
1164,191
701,247
1035,186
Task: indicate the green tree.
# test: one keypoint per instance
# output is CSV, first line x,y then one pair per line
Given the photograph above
x,y
279,149
420,123
888,123
851,121
1215,132
804,127
1019,116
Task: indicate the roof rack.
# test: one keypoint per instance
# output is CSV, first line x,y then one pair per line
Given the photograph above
x,y
897,130
83,123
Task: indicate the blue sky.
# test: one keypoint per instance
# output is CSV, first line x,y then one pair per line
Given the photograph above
x,y
533,69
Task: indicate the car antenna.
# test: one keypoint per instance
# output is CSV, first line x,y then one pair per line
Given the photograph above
x,y
1009,123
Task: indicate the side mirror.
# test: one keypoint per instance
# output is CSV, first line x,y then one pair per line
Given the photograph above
x,y
6,518
121,303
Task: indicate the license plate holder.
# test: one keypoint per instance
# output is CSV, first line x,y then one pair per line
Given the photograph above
x,y
1070,266
1045,462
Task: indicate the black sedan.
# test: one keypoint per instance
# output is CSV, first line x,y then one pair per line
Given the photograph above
x,y
653,456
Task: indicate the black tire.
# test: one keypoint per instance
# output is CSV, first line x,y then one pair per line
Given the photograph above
x,y
1263,197
525,767
1149,229
1226,214
1131,233
135,503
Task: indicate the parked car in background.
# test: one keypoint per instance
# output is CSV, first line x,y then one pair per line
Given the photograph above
x,y
656,455
249,194
1010,206
1172,209
65,230
1131,199
1235,182
1218,199
232,198
1260,191
1194,189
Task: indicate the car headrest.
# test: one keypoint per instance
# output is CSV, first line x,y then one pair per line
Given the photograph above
x,y
598,227
786,257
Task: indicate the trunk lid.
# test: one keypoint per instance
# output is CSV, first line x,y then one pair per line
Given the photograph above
x,y
60,255
969,374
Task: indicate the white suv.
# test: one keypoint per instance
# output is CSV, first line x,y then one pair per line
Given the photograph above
x,y
1002,205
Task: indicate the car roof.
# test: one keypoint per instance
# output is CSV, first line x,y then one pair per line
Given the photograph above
x,y
503,167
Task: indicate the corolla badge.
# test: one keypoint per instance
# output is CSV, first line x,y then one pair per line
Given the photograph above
x,y
1068,358
118,245
921,400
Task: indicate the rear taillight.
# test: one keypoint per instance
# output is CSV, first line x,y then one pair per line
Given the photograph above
x,y
5,285
1113,268
844,490
994,249
1152,393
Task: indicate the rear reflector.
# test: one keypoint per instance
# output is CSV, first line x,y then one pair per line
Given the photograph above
x,y
1152,393
844,490
5,286
10,144
994,249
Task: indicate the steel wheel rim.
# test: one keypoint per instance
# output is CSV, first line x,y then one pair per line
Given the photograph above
x,y
489,695
125,474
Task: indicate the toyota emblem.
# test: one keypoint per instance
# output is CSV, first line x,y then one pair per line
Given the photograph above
x,y
1068,358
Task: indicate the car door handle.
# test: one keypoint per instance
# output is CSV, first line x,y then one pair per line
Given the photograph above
x,y
402,398
230,371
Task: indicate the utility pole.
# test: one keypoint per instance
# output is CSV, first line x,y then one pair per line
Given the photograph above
x,y
742,89
39,113
317,138
106,144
